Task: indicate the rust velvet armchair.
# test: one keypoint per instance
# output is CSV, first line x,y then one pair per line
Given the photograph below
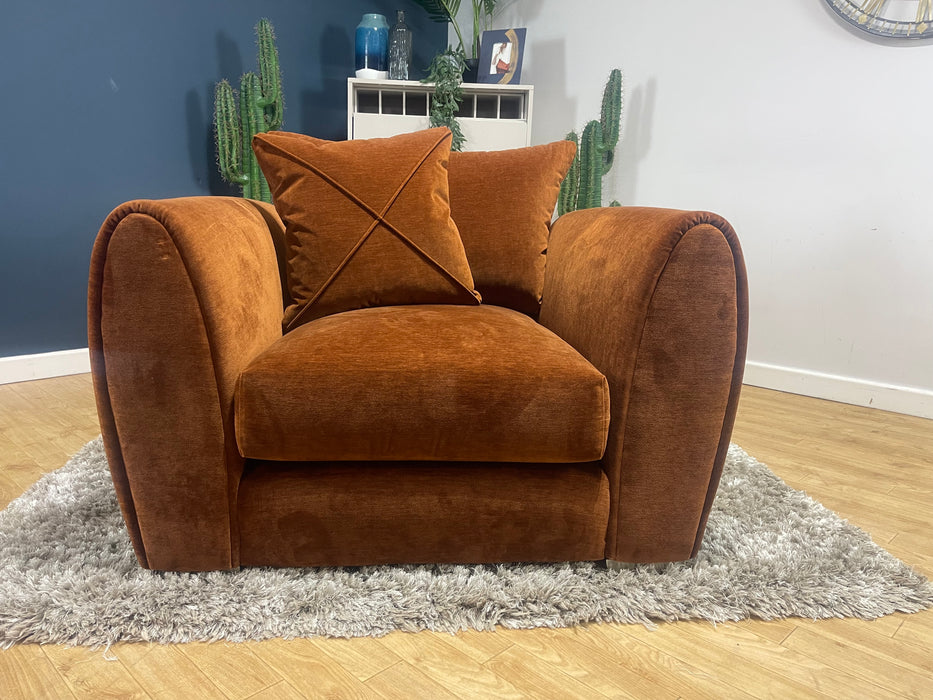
x,y
586,418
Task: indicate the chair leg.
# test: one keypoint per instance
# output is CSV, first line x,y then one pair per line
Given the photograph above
x,y
614,565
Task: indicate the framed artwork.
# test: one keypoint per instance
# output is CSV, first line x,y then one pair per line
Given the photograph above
x,y
500,56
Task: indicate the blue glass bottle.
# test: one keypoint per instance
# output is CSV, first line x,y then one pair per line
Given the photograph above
x,y
372,44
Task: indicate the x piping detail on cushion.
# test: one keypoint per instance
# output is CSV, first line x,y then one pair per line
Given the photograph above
x,y
379,218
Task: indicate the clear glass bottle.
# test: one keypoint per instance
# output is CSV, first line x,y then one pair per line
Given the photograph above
x,y
399,49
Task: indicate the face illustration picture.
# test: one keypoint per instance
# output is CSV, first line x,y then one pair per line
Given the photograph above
x,y
501,58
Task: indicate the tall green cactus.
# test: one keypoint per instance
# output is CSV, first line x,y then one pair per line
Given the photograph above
x,y
258,107
583,186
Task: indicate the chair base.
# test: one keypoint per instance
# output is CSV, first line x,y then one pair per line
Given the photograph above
x,y
369,513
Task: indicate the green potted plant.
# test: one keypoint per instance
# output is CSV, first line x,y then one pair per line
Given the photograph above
x,y
446,11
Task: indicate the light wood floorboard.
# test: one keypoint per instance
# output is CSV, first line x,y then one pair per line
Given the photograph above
x,y
871,467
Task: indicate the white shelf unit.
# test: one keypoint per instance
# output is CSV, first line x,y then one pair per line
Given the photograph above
x,y
492,117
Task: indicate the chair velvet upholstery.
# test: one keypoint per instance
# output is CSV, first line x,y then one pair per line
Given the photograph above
x,y
186,300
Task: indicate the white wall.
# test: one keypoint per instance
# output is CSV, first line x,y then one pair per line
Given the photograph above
x,y
815,141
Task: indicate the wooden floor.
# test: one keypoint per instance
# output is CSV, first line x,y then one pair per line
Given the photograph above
x,y
874,468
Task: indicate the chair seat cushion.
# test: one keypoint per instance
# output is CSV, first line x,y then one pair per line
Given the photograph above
x,y
422,382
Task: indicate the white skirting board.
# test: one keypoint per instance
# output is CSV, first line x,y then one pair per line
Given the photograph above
x,y
900,399
22,368
858,392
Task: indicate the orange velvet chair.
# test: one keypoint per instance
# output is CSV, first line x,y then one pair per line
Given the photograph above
x,y
595,428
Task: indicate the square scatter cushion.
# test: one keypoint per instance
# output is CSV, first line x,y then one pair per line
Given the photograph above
x,y
503,202
367,222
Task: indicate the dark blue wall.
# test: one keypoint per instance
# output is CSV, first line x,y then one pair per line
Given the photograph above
x,y
109,100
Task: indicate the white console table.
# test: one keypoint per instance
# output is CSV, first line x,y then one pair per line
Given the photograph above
x,y
492,117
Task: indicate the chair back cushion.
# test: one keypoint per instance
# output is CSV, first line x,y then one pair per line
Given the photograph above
x,y
503,202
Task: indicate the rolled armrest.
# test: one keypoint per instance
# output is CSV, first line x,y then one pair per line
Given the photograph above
x,y
183,293
657,300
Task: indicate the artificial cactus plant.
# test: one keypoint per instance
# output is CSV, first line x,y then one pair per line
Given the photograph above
x,y
239,116
583,186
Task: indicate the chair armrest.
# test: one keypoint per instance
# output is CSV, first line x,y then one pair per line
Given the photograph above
x,y
183,293
657,300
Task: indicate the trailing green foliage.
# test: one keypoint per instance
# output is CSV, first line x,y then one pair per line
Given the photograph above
x,y
583,186
446,72
238,116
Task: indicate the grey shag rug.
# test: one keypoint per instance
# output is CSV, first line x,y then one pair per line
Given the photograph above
x,y
68,575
